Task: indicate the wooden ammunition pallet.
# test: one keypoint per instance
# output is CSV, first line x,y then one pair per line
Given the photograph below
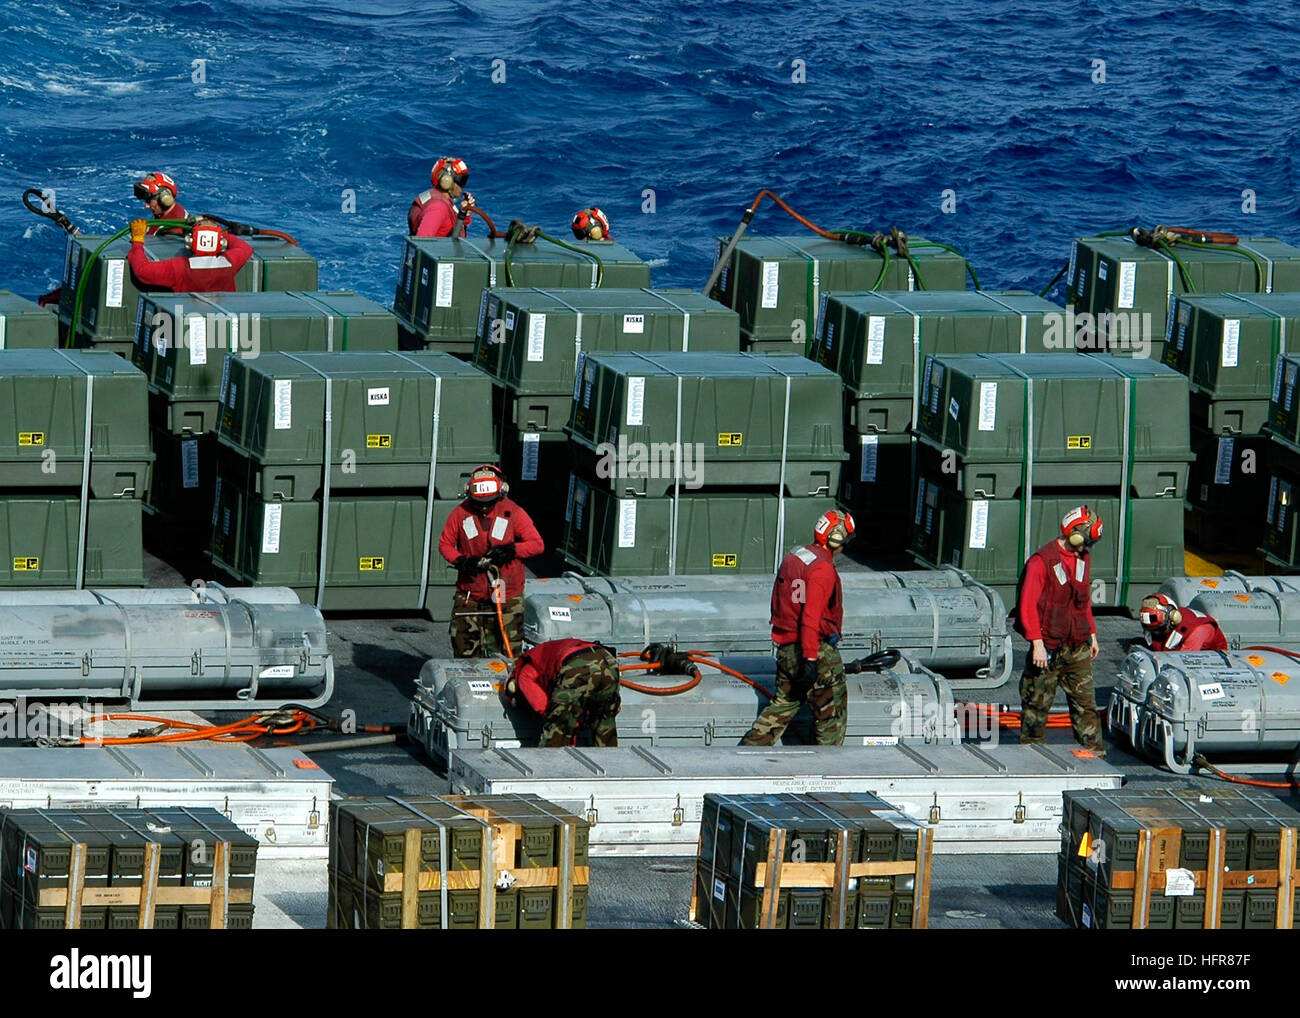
x,y
834,876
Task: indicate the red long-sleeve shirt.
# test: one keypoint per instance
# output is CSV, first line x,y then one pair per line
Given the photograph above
x,y
806,600
537,669
191,273
437,218
1032,589
177,211
1195,632
468,533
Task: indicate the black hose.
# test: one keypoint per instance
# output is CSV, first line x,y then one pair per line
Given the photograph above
x,y
877,662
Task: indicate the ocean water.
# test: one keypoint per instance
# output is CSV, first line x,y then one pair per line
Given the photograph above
x,y
556,105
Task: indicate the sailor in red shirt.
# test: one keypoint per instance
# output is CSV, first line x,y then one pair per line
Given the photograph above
x,y
1054,613
486,538
807,614
568,682
1169,627
591,224
158,192
214,260
433,212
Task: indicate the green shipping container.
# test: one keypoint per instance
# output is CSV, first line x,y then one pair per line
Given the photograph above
x,y
375,551
1141,545
537,465
1017,422
738,420
387,409
109,304
878,341
530,339
1284,406
1228,344
25,325
39,538
776,284
45,397
1116,276
876,488
186,361
177,520
440,289
1279,545
726,534
1227,490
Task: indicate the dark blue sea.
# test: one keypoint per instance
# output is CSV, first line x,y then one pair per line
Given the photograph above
x,y
556,105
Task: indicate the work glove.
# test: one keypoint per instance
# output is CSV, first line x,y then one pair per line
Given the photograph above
x,y
500,554
139,227
806,677
468,564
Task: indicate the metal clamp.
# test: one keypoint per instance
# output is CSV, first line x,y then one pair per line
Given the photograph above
x,y
679,815
1018,814
935,812
593,814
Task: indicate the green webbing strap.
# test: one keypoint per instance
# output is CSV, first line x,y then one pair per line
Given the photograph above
x,y
577,328
686,317
492,265
1024,319
433,471
675,511
1125,537
1277,337
916,354
86,440
325,486
330,313
1027,493
778,550
813,285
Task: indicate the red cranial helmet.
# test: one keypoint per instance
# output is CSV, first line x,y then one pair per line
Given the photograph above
x,y
833,529
157,185
486,484
447,171
1081,527
590,224
1158,611
208,239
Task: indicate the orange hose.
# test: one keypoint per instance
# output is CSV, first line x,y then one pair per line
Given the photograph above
x,y
793,214
1011,719
244,730
703,660
277,233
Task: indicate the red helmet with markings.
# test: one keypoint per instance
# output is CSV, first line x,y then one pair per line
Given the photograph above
x,y
591,224
486,484
1159,611
1081,527
833,529
208,239
447,171
153,184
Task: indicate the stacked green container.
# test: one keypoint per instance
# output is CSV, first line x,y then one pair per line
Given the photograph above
x,y
1113,275
74,452
1229,346
877,342
440,290
110,299
401,433
181,343
668,431
530,340
1007,444
776,284
25,325
1279,544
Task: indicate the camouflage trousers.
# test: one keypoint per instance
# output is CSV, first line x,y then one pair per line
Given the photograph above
x,y
827,698
585,691
1071,669
475,630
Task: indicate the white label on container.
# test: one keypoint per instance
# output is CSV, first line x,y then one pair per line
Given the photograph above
x,y
880,740
1283,500
190,463
446,277
198,330
1277,380
233,390
627,523
771,283
116,273
1272,498
636,399
216,500
2,330
920,499
1179,883
479,686
719,889
225,379
1211,691
283,404
271,529
875,339
377,397
1231,341
532,449
979,523
870,452
561,614
1087,916
1127,283
634,323
1074,258
536,337
1291,372
276,672
1223,465
988,405
510,320
954,408
1102,270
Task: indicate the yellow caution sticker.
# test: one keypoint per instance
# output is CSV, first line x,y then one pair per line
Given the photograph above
x,y
1085,846
1078,441
575,598
1281,678
497,666
27,564
379,441
1255,659
227,418
1243,598
31,438
726,561
1207,582
372,564
731,438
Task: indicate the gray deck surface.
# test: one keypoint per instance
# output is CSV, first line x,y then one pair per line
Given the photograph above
x,y
377,660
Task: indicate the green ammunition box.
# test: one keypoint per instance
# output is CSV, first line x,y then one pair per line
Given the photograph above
x,y
39,538
25,325
439,292
876,485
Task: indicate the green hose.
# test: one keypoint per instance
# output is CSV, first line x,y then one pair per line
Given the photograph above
x,y
1182,268
884,267
916,270
90,264
600,266
970,269
1260,272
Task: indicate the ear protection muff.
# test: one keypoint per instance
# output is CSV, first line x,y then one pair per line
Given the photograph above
x,y
1159,611
165,198
1080,527
587,221
448,171
833,529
